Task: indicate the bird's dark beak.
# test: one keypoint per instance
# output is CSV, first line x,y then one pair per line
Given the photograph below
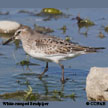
x,y
9,40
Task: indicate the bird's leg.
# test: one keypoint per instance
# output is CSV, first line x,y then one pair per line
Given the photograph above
x,y
62,79
45,70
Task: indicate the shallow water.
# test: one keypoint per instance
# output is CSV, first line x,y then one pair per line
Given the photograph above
x,y
15,77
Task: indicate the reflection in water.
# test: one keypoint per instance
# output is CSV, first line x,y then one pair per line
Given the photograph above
x,y
83,33
45,85
47,93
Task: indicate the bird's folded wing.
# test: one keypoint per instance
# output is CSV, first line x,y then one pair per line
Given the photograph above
x,y
57,46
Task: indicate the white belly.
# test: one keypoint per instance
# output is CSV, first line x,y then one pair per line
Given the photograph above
x,y
53,57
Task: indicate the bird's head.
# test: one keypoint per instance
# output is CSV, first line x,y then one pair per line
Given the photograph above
x,y
20,34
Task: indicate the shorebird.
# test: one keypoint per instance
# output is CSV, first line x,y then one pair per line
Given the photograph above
x,y
49,48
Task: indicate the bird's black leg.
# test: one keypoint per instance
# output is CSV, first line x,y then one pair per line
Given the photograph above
x,y
62,79
45,70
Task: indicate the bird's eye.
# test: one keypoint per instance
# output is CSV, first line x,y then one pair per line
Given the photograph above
x,y
18,33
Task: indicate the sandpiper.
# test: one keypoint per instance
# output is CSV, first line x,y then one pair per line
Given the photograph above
x,y
49,48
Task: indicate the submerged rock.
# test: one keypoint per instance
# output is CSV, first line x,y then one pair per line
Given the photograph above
x,y
97,84
7,27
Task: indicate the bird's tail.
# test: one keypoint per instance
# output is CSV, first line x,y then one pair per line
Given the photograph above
x,y
95,49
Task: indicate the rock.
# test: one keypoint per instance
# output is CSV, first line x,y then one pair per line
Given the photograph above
x,y
8,26
97,84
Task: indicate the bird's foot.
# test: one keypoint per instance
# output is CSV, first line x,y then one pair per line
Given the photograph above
x,y
63,81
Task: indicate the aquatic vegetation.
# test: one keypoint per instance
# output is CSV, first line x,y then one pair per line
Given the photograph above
x,y
72,96
23,11
17,43
84,33
29,95
6,35
4,13
106,29
51,11
15,95
27,12
64,28
1,54
28,92
87,22
58,94
101,35
84,22
23,83
43,30
26,63
67,38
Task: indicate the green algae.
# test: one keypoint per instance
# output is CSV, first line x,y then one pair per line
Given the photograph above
x,y
51,11
29,95
106,29
67,38
43,30
64,28
84,22
25,63
101,35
